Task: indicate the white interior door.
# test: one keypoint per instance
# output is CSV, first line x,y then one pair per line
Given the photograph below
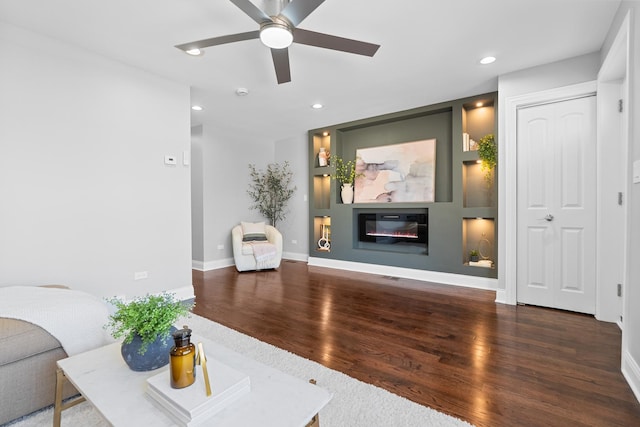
x,y
556,208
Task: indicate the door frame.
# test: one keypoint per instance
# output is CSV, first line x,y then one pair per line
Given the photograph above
x,y
507,177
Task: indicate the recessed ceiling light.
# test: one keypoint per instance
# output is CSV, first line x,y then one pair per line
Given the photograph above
x,y
195,52
242,91
487,60
317,106
325,133
196,108
479,104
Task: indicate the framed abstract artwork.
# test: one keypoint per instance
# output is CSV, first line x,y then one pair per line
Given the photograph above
x,y
396,173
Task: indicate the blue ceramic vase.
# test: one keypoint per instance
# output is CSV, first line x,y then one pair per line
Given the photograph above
x,y
156,356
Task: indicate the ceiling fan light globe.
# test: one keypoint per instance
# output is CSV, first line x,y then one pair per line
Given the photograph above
x,y
276,36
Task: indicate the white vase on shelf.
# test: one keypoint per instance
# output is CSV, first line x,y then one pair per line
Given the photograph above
x,y
347,193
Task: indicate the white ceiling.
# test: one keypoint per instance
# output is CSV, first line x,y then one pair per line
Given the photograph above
x,y
429,52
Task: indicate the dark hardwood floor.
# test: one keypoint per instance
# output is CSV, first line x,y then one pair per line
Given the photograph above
x,y
446,347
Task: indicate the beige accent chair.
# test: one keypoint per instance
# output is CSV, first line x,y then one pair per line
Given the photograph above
x,y
243,252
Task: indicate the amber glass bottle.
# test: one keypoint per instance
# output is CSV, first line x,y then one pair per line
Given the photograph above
x,y
183,359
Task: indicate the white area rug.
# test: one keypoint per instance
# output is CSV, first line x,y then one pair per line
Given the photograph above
x,y
354,404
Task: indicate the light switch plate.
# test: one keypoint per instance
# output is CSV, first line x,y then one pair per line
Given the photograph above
x,y
636,172
169,160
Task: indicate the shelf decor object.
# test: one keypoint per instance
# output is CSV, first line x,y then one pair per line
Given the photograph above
x,y
324,242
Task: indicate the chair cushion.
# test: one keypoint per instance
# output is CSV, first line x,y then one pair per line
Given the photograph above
x,y
253,231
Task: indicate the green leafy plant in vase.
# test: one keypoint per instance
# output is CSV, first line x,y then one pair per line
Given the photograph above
x,y
146,324
345,173
474,255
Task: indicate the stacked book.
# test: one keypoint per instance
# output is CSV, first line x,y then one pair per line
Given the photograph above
x,y
190,406
468,144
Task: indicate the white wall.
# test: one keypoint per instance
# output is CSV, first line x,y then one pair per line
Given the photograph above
x,y
545,77
85,199
295,228
197,212
225,180
631,314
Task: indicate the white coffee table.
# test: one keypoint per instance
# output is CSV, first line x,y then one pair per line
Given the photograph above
x,y
119,394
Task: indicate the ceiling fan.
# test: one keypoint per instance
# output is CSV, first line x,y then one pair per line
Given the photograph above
x,y
280,30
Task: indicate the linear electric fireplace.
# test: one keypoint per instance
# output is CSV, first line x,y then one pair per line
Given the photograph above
x,y
396,231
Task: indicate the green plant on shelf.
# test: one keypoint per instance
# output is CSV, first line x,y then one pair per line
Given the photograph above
x,y
345,171
488,153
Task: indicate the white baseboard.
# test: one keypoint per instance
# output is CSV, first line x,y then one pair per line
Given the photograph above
x,y
295,256
228,262
184,293
631,372
501,296
409,273
212,265
406,273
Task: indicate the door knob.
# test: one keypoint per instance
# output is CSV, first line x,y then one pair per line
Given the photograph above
x,y
548,218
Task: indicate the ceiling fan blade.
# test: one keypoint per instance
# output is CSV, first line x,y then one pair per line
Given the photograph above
x,y
214,41
252,10
297,10
281,62
327,41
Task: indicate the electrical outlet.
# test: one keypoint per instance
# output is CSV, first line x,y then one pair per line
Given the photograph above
x,y
139,275
295,242
220,247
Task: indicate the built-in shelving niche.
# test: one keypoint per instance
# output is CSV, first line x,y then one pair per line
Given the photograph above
x,y
479,234
464,213
322,233
478,189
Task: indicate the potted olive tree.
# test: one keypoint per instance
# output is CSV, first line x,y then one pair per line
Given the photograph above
x,y
271,190
146,323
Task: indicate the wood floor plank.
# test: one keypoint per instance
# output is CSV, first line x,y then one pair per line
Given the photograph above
x,y
450,348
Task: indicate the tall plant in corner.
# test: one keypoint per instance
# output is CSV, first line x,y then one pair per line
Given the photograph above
x,y
271,190
488,153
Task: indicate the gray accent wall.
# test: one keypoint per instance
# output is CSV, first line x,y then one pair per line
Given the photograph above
x,y
453,226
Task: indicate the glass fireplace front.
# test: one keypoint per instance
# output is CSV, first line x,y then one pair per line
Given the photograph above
x,y
394,228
